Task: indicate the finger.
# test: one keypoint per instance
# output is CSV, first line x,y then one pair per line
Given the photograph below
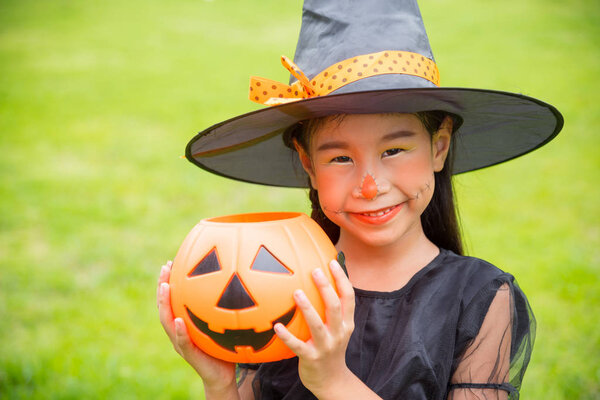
x,y
166,272
163,276
296,345
333,307
182,339
345,291
315,324
165,312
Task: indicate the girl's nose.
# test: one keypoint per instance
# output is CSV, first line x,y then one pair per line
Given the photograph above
x,y
370,188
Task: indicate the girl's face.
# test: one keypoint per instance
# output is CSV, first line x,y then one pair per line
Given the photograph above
x,y
394,149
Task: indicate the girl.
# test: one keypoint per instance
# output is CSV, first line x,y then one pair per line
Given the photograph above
x,y
413,318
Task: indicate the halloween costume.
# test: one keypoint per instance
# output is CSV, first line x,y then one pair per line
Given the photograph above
x,y
368,57
408,343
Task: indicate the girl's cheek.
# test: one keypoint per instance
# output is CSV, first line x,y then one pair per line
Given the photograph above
x,y
415,179
326,179
333,179
409,176
414,168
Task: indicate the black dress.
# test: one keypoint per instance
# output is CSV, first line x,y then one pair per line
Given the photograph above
x,y
431,338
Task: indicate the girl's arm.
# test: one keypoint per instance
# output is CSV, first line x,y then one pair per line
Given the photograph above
x,y
322,359
218,376
483,372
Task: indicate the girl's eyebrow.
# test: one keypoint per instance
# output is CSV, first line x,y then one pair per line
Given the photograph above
x,y
397,135
338,144
333,145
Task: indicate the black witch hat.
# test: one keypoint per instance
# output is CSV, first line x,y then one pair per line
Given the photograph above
x,y
366,57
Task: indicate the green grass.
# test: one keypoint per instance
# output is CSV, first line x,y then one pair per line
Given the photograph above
x,y
97,102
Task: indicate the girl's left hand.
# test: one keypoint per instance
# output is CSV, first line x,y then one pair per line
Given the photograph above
x,y
322,359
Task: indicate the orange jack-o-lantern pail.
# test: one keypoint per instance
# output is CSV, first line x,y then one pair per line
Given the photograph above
x,y
234,276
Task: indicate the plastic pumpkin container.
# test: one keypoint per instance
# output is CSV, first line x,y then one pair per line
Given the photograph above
x,y
234,276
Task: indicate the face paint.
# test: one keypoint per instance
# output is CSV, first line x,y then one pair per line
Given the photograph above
x,y
376,197
369,187
332,211
423,190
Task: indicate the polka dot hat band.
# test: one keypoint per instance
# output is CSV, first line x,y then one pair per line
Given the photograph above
x,y
271,93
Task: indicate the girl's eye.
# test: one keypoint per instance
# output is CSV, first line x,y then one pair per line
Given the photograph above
x,y
391,152
341,159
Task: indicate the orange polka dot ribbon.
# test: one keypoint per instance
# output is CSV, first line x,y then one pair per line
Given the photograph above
x,y
271,93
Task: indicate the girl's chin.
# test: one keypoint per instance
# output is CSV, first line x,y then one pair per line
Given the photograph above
x,y
375,241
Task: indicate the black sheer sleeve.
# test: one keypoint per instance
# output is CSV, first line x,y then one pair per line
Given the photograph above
x,y
246,382
497,349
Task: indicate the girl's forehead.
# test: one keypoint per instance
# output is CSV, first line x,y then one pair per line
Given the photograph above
x,y
362,127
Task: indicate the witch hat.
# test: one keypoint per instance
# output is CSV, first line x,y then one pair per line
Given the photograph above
x,y
366,57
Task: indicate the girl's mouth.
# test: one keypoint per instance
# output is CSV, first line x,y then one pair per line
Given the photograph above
x,y
378,217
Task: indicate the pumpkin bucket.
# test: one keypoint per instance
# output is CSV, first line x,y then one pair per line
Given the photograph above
x,y
234,276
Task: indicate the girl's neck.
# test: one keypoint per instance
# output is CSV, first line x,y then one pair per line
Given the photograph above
x,y
386,268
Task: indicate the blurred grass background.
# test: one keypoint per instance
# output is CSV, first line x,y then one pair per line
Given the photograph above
x,y
99,98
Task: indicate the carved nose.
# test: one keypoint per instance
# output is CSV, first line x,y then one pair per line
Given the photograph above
x,y
235,296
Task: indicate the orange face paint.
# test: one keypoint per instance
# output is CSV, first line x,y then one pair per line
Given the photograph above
x,y
369,187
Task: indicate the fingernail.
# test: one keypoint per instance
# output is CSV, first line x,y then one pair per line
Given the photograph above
x,y
178,325
334,265
163,288
300,295
169,263
318,273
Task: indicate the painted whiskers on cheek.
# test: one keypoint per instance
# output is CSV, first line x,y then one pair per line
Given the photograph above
x,y
425,189
333,211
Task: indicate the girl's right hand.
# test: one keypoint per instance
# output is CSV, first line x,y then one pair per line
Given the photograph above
x,y
218,376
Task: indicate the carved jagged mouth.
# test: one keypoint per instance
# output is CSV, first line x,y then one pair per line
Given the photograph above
x,y
241,337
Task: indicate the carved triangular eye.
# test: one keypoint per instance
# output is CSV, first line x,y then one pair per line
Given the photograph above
x,y
265,261
210,263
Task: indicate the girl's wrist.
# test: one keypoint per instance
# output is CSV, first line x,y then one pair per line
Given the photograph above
x,y
335,386
345,385
221,391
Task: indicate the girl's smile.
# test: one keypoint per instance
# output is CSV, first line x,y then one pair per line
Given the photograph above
x,y
377,217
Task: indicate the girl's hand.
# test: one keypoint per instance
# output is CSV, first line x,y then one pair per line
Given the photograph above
x,y
322,359
218,376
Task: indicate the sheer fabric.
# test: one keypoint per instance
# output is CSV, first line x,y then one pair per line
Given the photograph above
x,y
459,329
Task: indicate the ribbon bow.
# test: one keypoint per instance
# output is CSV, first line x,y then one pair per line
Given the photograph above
x,y
271,93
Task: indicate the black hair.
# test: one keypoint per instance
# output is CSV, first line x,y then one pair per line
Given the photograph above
x,y
439,220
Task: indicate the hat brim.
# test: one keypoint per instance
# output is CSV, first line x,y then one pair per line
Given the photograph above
x,y
496,127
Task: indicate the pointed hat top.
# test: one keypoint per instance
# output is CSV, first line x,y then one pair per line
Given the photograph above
x,y
333,31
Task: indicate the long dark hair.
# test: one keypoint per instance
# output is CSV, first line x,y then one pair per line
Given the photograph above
x,y
439,220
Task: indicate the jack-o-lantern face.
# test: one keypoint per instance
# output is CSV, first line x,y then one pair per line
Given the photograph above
x,y
233,279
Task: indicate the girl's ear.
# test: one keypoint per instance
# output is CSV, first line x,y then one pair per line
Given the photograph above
x,y
441,144
306,163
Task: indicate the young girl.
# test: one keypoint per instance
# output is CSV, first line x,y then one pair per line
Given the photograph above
x,y
413,318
